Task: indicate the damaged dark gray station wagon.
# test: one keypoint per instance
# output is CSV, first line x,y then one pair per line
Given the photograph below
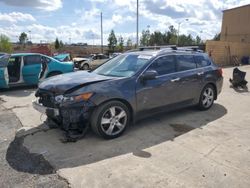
x,y
128,87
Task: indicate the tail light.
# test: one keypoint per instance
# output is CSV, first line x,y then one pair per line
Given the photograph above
x,y
220,71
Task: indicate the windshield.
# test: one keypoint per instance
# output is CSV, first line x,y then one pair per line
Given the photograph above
x,y
124,65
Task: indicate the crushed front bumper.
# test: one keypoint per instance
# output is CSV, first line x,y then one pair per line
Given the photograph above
x,y
45,110
70,117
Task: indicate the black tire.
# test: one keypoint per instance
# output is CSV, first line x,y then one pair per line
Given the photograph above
x,y
100,112
85,67
202,104
53,74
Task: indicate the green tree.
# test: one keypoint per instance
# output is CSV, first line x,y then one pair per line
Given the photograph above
x,y
129,44
156,38
61,44
112,41
57,44
172,35
5,45
23,38
145,38
198,40
217,37
120,44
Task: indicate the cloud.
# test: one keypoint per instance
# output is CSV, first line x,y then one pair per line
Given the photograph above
x,y
162,8
47,5
16,17
83,24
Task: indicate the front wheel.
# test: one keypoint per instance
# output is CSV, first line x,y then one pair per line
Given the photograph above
x,y
207,97
85,67
110,119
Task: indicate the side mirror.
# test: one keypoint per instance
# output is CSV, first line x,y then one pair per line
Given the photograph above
x,y
149,75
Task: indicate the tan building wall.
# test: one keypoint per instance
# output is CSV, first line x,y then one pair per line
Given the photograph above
x,y
224,53
236,25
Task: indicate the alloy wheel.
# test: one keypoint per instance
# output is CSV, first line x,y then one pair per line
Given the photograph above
x,y
114,120
208,97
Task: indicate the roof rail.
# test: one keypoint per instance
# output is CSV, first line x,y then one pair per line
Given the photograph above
x,y
190,48
143,48
167,47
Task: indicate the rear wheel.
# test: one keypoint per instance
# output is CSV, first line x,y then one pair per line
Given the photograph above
x,y
110,119
207,97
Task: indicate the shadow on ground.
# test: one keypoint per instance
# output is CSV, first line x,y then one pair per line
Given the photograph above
x,y
20,91
40,143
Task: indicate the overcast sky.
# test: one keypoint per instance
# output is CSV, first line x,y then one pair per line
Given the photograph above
x,y
80,19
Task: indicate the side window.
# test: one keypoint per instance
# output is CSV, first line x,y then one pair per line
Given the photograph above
x,y
164,65
185,62
32,60
201,61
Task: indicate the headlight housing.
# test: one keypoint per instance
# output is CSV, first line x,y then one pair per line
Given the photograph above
x,y
83,97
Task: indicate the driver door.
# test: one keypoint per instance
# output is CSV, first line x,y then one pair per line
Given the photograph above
x,y
4,76
158,92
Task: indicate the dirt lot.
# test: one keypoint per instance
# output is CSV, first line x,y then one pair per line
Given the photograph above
x,y
187,148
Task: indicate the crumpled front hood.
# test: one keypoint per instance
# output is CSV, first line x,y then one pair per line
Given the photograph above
x,y
62,83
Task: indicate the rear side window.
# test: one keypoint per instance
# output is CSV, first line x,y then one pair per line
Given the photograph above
x,y
185,62
164,65
201,61
32,60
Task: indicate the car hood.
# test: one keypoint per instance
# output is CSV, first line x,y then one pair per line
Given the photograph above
x,y
67,83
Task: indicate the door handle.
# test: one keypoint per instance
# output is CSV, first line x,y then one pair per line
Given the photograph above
x,y
200,73
175,80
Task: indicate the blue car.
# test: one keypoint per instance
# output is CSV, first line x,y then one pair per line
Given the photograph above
x,y
62,57
29,69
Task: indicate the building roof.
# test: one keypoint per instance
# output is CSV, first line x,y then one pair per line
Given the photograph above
x,y
237,8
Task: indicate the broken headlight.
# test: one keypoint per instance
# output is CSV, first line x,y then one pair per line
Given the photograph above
x,y
83,97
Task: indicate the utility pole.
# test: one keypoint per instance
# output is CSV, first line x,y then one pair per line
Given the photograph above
x,y
137,24
101,35
178,34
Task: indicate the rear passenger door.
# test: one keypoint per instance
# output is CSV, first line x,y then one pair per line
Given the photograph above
x,y
31,69
187,78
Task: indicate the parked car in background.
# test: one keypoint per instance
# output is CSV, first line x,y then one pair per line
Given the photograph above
x,y
63,57
79,60
128,87
114,54
29,68
94,61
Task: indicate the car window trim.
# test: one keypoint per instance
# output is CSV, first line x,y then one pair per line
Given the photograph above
x,y
159,76
190,70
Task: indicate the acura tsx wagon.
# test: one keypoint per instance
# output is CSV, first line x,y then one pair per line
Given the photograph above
x,y
129,87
